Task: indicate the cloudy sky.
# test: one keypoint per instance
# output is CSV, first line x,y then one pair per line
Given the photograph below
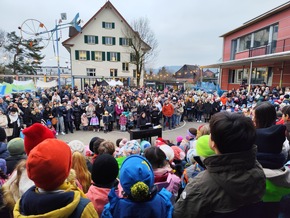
x,y
187,31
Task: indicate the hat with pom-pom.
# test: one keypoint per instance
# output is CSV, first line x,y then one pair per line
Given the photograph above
x,y
49,163
144,144
35,134
16,147
179,154
77,145
136,177
202,147
168,151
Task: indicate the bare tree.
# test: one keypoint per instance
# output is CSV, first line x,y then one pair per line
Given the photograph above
x,y
143,45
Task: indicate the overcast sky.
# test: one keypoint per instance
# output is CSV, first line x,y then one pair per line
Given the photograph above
x,y
187,31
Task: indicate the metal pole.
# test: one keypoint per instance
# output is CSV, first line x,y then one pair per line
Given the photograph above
x,y
250,77
281,75
57,52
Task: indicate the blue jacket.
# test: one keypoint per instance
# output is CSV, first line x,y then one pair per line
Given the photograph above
x,y
159,206
4,153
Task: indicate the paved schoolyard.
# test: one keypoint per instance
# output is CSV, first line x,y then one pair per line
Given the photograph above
x,y
86,136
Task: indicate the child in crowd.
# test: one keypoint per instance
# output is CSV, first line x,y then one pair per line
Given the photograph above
x,y
94,122
131,121
52,196
140,197
123,122
106,121
50,126
85,121
104,174
3,171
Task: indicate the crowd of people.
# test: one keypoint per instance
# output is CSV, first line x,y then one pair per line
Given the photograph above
x,y
235,164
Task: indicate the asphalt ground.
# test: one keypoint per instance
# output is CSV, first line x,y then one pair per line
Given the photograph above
x,y
86,136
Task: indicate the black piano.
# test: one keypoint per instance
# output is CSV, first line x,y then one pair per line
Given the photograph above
x,y
145,133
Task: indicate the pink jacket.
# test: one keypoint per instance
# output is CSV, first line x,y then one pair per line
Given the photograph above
x,y
99,197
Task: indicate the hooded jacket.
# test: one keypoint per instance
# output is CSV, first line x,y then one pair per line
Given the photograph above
x,y
62,203
230,181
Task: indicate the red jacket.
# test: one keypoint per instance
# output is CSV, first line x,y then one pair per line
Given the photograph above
x,y
168,110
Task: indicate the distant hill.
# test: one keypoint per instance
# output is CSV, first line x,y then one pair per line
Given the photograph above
x,y
171,69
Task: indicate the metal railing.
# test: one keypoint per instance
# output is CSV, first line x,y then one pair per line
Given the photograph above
x,y
273,47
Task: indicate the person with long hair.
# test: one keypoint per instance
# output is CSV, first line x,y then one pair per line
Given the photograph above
x,y
83,175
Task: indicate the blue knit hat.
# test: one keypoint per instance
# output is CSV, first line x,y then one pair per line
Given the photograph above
x,y
136,171
144,144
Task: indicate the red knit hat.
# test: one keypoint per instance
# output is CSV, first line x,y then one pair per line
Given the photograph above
x,y
35,134
49,164
178,153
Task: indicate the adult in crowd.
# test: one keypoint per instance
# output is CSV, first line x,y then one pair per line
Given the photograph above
x,y
167,111
214,191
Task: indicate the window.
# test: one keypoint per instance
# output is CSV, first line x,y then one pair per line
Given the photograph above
x,y
98,56
124,41
125,66
134,73
91,39
109,40
261,37
245,42
108,25
113,72
113,56
91,72
82,55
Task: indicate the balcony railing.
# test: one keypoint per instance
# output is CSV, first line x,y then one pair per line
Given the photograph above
x,y
271,48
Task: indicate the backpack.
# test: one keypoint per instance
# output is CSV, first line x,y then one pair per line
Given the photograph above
x,y
80,208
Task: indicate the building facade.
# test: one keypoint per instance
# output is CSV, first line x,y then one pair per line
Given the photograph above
x,y
257,52
101,49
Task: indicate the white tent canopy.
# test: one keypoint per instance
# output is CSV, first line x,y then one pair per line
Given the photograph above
x,y
41,84
115,83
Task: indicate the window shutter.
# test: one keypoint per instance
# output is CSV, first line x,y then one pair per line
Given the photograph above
x,y
86,39
77,55
114,41
130,42
103,56
120,41
118,56
88,55
104,40
131,57
96,40
93,56
108,56
113,25
104,24
123,66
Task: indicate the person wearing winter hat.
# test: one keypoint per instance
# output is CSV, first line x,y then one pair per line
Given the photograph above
x,y
17,153
3,175
232,139
48,165
168,151
179,140
144,144
273,151
140,196
35,134
104,174
77,145
131,147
